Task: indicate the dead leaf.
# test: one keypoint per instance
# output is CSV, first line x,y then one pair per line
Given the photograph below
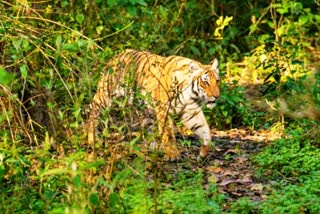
x,y
215,169
218,149
232,151
230,173
217,162
237,194
245,180
240,181
241,159
227,182
256,187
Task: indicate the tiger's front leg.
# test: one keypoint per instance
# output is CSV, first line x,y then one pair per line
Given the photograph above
x,y
193,118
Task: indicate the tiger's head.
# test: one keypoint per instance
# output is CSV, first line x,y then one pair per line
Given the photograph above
x,y
205,82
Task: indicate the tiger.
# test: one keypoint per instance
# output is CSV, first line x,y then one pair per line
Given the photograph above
x,y
177,85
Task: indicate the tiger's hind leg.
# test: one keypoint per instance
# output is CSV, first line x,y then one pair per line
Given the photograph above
x,y
91,126
100,100
92,122
194,119
166,132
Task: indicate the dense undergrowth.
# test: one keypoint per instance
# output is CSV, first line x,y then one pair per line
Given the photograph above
x,y
51,55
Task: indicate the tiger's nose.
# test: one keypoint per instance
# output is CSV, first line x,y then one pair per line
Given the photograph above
x,y
216,94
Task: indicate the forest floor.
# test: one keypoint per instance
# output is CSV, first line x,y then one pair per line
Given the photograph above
x,y
230,164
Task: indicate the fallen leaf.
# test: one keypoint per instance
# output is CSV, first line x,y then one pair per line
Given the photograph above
x,y
236,194
231,173
241,159
232,151
215,169
245,180
218,149
256,187
240,181
226,182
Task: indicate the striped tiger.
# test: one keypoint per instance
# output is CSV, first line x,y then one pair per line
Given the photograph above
x,y
177,85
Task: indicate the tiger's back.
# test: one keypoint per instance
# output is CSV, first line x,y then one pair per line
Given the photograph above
x,y
176,84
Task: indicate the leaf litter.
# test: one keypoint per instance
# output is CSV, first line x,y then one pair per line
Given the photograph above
x,y
229,165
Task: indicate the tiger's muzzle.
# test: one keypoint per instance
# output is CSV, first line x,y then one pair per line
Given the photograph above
x,y
211,102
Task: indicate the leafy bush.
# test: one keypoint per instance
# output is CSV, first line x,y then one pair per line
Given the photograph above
x,y
295,156
295,198
185,195
244,205
294,165
232,109
284,53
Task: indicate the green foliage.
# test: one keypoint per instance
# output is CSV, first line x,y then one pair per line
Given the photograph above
x,y
294,165
295,156
295,27
52,53
243,206
39,180
232,109
295,198
315,89
185,195
5,77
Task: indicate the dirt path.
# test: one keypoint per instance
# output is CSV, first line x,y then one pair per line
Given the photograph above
x,y
230,166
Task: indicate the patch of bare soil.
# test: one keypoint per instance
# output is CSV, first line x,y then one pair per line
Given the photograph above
x,y
229,165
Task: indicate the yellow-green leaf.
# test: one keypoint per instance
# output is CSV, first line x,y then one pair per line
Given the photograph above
x,y
5,77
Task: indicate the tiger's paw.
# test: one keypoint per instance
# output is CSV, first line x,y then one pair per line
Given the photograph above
x,y
204,150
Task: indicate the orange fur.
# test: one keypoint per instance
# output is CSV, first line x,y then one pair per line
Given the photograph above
x,y
176,84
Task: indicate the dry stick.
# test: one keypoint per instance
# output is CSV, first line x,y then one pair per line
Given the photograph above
x,y
114,33
40,18
77,32
175,19
28,115
74,31
61,25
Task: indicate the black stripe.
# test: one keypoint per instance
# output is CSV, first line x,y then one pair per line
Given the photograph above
x,y
125,56
134,52
192,116
179,99
137,56
171,58
195,127
145,63
193,90
122,60
139,59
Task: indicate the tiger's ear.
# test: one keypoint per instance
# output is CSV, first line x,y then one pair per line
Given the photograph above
x,y
214,64
194,67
